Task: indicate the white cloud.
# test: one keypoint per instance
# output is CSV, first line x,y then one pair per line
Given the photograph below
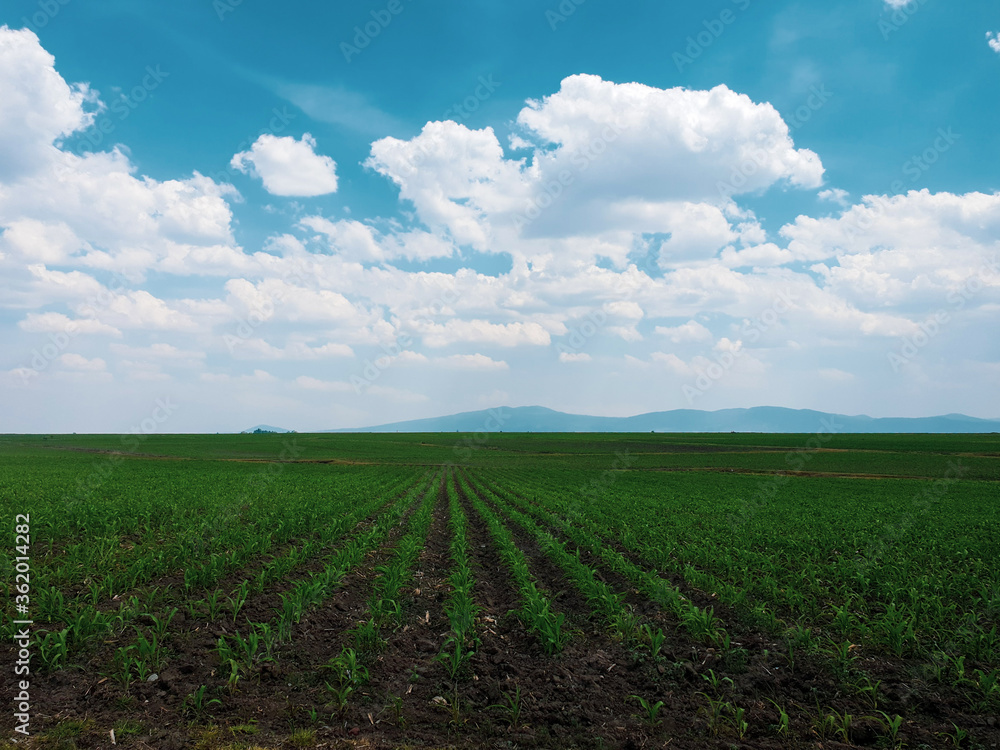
x,y
699,138
313,384
674,363
835,195
289,167
692,331
58,323
600,151
161,354
256,348
82,364
478,362
39,107
642,235
993,39
482,331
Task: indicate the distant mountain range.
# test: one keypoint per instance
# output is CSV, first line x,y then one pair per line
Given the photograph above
x,y
757,419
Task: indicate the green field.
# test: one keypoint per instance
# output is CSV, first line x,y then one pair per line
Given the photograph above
x,y
524,590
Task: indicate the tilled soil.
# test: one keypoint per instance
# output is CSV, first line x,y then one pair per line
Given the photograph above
x,y
580,698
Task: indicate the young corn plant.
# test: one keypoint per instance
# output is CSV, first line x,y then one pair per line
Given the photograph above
x,y
349,675
239,599
53,649
196,703
781,728
454,656
652,710
654,638
511,706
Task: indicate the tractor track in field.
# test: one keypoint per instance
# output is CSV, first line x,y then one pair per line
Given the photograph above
x,y
580,696
407,669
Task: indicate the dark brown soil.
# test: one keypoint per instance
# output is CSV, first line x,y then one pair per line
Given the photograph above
x,y
579,698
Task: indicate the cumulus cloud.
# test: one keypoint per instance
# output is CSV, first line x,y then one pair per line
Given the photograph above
x,y
600,156
692,331
616,218
482,331
52,322
288,167
478,362
82,364
993,39
39,107
835,195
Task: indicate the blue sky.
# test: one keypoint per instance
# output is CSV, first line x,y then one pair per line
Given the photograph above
x,y
334,215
